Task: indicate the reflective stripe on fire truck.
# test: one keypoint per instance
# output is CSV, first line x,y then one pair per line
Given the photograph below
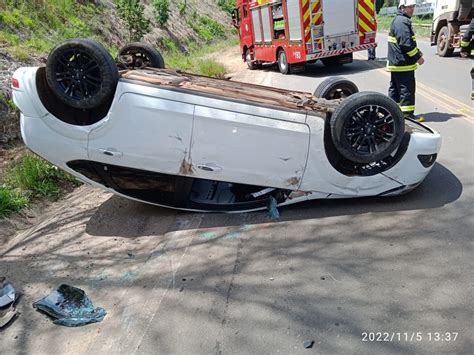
x,y
311,9
366,10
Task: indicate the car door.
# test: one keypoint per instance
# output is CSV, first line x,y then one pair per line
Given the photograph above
x,y
146,133
249,149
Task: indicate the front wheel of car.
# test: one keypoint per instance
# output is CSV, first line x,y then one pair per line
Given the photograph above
x,y
336,88
367,127
81,73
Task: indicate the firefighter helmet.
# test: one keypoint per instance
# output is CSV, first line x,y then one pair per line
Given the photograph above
x,y
407,3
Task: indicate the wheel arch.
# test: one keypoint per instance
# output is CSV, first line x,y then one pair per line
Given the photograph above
x,y
279,48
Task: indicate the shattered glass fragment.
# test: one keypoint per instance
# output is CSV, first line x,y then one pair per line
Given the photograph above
x,y
70,306
7,293
272,208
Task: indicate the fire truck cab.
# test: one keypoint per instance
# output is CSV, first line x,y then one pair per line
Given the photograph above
x,y
294,32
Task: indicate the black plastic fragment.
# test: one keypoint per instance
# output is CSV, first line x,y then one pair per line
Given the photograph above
x,y
70,306
308,344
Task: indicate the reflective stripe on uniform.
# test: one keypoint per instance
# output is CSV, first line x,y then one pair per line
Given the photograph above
x,y
400,68
413,52
472,51
392,39
465,43
407,109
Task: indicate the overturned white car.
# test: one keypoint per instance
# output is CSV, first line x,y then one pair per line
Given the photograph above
x,y
195,143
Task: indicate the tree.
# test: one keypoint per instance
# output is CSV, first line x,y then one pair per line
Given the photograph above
x,y
162,11
132,13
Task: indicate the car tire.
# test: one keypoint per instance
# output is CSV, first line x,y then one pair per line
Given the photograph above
x,y
81,73
367,127
335,88
442,43
283,64
138,56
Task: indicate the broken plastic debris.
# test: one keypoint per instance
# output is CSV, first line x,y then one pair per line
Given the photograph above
x,y
7,293
6,316
70,306
308,344
272,208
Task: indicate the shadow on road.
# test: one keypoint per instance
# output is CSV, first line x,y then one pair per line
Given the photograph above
x,y
318,70
440,188
440,116
273,281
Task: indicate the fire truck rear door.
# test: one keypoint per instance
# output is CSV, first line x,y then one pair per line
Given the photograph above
x,y
339,17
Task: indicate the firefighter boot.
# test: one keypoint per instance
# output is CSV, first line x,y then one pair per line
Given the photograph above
x,y
412,116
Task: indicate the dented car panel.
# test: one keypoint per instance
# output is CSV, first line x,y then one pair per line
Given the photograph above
x,y
243,148
321,176
144,132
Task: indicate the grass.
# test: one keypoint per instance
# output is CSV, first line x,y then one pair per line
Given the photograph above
x,y
421,26
35,27
195,60
29,178
11,201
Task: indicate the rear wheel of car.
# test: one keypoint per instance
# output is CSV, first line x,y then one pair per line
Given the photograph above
x,y
81,73
367,127
283,64
138,56
336,88
442,43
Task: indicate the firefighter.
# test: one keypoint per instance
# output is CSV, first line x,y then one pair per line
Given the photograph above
x,y
467,48
403,57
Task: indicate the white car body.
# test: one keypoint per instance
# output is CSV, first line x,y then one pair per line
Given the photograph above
x,y
181,133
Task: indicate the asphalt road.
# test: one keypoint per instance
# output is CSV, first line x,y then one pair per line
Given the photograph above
x,y
327,271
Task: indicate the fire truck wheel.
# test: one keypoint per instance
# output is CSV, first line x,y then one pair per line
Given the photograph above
x,y
139,55
367,127
81,73
442,43
335,88
248,58
283,64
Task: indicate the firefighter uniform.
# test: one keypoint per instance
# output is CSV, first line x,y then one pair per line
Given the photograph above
x,y
403,54
467,47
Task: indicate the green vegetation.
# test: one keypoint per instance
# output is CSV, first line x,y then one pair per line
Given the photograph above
x,y
8,102
34,27
132,13
28,178
226,5
182,7
206,28
197,59
162,11
421,26
10,201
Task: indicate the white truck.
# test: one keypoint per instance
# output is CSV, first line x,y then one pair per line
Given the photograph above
x,y
450,20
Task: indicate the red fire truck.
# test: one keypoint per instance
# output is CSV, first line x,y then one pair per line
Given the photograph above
x,y
294,32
